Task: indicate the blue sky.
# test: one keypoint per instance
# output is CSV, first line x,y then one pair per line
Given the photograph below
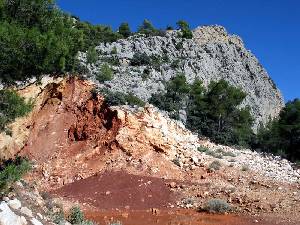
x,y
269,28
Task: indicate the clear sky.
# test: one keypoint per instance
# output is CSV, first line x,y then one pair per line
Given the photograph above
x,y
269,28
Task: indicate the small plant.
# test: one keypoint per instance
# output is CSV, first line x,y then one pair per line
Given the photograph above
x,y
76,215
245,168
217,206
140,59
12,106
175,64
12,170
91,55
231,154
114,51
115,223
185,29
105,73
231,160
215,165
176,161
202,149
131,99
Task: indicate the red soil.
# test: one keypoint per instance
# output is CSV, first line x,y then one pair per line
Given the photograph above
x,y
176,217
119,190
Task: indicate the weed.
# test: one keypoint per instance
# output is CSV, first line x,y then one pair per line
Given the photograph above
x,y
217,206
215,165
202,149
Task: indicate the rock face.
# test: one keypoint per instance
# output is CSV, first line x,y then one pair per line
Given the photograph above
x,y
212,54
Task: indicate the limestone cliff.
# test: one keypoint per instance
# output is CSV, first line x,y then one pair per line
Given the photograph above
x,y
212,54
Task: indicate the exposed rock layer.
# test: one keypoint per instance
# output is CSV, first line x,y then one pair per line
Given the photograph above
x,y
212,54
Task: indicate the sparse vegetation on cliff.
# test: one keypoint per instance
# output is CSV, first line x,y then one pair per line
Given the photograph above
x,y
11,107
11,171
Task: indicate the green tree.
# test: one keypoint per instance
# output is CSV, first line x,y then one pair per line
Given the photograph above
x,y
216,114
175,97
147,28
91,55
12,106
36,38
124,30
282,135
185,29
105,73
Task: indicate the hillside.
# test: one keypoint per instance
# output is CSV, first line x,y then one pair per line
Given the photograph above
x,y
212,54
129,159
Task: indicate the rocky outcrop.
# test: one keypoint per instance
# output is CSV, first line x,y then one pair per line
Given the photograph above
x,y
212,54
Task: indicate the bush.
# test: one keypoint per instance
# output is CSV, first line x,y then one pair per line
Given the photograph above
x,y
91,55
174,98
185,29
119,98
202,149
38,38
124,30
140,59
105,73
11,107
76,215
215,165
281,136
12,170
217,206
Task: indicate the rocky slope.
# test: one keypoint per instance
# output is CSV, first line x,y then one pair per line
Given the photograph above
x,y
212,54
108,158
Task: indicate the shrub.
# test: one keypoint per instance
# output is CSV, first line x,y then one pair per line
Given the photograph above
x,y
131,99
114,51
245,168
38,39
105,73
124,30
76,215
140,59
91,55
215,165
12,170
11,107
115,223
202,149
185,29
119,98
217,206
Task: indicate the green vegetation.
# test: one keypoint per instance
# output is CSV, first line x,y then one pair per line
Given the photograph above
x,y
11,171
105,73
119,98
11,107
140,59
185,29
213,112
215,165
217,206
202,149
175,97
91,55
148,29
76,217
282,135
124,30
36,38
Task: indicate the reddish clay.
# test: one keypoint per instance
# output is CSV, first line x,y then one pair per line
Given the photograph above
x,y
120,190
175,217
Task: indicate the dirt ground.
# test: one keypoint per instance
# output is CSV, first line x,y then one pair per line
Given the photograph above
x,y
120,190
